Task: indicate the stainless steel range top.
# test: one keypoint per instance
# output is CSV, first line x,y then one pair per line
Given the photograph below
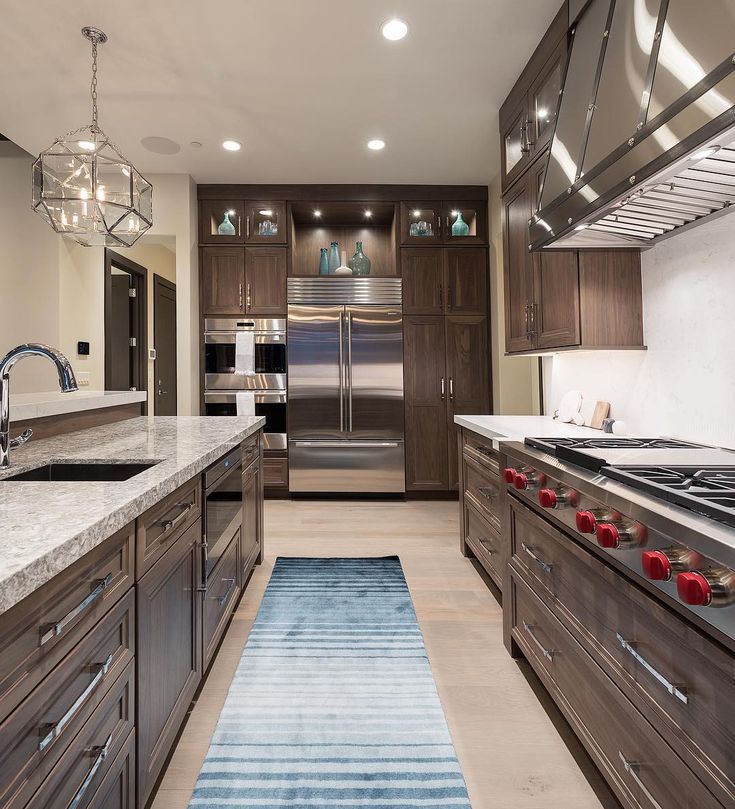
x,y
660,508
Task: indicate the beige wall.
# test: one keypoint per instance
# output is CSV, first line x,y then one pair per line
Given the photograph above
x,y
515,379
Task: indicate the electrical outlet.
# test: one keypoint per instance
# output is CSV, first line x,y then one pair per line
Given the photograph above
x,y
82,378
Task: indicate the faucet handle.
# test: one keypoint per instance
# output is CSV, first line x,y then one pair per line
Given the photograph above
x,y
21,439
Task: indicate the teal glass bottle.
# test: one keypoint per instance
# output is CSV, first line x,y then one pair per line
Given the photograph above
x,y
323,262
460,227
359,263
333,257
226,228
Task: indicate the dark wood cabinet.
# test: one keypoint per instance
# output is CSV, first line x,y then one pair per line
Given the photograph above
x,y
266,271
543,101
252,519
465,281
447,281
265,223
422,271
518,267
222,280
169,658
221,221
432,223
421,223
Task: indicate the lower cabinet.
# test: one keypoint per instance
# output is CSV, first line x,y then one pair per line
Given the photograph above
x,y
251,536
221,595
169,652
117,790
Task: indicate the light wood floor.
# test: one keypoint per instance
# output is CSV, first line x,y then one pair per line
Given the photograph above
x,y
514,748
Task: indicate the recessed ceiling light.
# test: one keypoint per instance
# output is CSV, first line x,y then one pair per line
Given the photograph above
x,y
394,29
376,144
196,144
232,145
368,214
317,214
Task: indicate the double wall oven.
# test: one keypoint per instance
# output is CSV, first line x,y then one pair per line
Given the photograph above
x,y
245,372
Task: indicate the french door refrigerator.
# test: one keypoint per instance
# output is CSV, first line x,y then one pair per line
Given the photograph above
x,y
345,385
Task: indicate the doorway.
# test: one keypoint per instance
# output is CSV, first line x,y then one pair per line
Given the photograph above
x,y
164,341
125,323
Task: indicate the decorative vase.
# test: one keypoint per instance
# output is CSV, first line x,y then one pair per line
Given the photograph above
x,y
460,227
226,228
333,257
359,263
323,262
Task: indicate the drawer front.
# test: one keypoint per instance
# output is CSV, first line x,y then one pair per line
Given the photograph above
x,y
477,450
163,524
38,633
275,473
117,790
88,759
484,489
484,540
644,771
35,735
223,588
683,682
250,449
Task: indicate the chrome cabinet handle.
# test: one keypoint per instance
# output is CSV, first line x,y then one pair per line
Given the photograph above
x,y
525,144
101,756
49,631
442,388
677,691
527,308
240,287
632,768
55,729
342,372
223,598
489,551
451,389
545,566
349,370
247,226
547,653
19,440
248,298
347,445
170,524
487,492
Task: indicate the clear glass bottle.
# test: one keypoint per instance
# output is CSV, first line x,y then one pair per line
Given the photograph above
x,y
359,263
323,262
333,257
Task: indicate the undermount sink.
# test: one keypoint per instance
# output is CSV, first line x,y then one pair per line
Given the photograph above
x,y
63,471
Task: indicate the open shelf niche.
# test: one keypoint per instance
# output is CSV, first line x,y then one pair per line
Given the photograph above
x,y
316,225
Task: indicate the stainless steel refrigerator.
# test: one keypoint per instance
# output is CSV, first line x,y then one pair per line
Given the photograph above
x,y
345,385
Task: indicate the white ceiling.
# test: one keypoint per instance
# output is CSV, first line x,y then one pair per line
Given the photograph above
x,y
302,83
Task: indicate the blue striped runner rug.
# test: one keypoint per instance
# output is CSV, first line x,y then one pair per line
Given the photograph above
x,y
333,703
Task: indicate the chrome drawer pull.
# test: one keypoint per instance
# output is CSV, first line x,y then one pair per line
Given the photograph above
x,y
482,541
545,566
222,599
547,653
632,767
101,756
49,631
487,492
57,728
676,691
169,525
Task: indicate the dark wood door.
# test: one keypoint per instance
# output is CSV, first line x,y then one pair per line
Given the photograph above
x,y
519,294
468,389
222,285
465,280
422,270
118,334
265,223
266,272
514,149
249,536
221,221
426,409
543,101
164,337
473,215
169,658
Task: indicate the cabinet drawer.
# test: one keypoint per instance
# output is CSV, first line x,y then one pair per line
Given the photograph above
x,y
484,540
683,682
161,525
484,489
35,735
275,473
477,450
41,630
88,759
250,449
644,771
117,790
223,588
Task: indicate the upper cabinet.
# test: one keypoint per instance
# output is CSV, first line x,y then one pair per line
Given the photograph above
x,y
543,101
444,281
432,223
242,222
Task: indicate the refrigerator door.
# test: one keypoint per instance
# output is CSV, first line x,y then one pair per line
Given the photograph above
x,y
374,383
316,372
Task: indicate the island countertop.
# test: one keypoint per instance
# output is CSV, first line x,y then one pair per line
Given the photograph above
x,y
45,527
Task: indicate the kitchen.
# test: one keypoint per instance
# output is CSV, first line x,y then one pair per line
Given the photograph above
x,y
288,516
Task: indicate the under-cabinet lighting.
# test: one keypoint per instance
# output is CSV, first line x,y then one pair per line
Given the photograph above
x,y
317,214
368,214
417,213
230,212
455,213
266,213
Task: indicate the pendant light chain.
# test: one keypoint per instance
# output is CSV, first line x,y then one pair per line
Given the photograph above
x,y
93,88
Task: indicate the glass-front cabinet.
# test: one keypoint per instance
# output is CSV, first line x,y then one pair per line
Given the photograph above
x,y
544,102
464,224
265,223
242,222
515,150
425,223
421,222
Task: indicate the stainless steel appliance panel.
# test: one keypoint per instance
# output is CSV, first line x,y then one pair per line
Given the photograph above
x,y
270,404
346,466
222,507
374,349
316,377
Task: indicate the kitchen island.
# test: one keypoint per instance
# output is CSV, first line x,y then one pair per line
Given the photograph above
x,y
111,603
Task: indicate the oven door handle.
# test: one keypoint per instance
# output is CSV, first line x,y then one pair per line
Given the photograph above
x,y
346,444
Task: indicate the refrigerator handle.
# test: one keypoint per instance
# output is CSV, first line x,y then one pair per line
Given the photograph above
x,y
349,369
341,374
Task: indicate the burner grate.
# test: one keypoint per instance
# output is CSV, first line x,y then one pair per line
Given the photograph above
x,y
614,442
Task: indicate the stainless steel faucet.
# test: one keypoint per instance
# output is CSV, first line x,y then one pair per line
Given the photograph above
x,y
67,383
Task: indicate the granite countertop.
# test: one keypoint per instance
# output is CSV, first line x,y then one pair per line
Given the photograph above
x,y
516,428
25,406
48,526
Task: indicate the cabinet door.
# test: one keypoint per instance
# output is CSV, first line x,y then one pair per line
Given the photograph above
x,y
514,149
265,223
465,280
465,223
426,407
265,281
221,221
423,280
543,100
250,534
518,269
468,358
421,223
169,658
222,281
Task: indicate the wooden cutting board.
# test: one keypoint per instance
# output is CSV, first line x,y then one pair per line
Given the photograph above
x,y
599,412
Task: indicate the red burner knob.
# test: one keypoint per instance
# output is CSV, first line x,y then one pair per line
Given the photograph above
x,y
608,535
694,589
656,565
586,522
547,498
520,481
509,474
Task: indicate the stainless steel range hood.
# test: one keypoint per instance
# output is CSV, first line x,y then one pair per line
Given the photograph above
x,y
645,136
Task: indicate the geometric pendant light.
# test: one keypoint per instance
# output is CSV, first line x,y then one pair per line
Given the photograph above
x,y
85,189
